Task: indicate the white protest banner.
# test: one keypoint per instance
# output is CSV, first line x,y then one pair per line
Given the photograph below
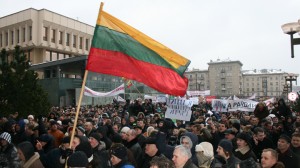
x,y
195,100
219,105
198,93
179,109
153,98
269,101
161,98
241,105
120,99
91,93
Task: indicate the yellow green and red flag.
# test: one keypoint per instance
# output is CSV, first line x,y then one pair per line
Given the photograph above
x,y
120,50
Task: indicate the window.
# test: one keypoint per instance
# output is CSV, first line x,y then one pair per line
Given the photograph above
x,y
24,34
60,56
6,38
18,36
252,89
53,36
48,56
54,56
0,40
80,42
86,44
12,37
60,37
30,33
45,33
68,39
74,40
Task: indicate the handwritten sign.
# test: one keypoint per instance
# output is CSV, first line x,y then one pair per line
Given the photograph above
x,y
179,109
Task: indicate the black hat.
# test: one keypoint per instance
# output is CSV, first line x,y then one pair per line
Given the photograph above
x,y
96,136
226,145
119,152
229,131
66,139
285,137
53,122
116,138
244,136
236,125
85,147
150,140
81,129
139,127
78,159
44,138
104,115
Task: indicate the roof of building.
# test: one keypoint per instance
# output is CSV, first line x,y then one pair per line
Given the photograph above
x,y
219,61
263,71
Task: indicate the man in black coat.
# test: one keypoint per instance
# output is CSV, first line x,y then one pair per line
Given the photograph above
x,y
285,154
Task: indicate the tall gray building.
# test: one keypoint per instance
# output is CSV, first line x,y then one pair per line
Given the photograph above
x,y
225,77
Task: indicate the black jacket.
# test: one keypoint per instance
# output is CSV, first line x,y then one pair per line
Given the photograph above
x,y
289,159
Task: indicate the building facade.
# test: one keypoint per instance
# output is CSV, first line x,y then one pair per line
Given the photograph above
x,y
44,35
198,80
225,77
265,82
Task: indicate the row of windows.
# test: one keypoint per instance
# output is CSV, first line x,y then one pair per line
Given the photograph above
x,y
67,38
11,37
53,56
264,78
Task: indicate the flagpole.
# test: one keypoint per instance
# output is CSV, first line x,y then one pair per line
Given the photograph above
x,y
81,95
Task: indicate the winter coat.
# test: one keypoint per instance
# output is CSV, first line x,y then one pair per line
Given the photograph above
x,y
136,150
33,162
194,141
189,164
289,159
9,156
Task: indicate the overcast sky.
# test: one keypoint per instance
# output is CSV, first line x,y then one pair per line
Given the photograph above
x,y
200,30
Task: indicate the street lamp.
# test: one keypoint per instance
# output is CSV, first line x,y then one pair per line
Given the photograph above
x,y
291,29
285,91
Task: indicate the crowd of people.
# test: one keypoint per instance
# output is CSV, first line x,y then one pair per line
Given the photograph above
x,y
137,135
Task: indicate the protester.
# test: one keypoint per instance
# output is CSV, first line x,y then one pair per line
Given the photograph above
x,y
205,154
285,154
182,157
29,158
269,159
119,158
161,162
8,152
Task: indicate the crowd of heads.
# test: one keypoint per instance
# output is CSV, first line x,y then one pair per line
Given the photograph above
x,y
137,134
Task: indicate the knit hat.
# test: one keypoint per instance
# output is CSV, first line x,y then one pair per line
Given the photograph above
x,y
226,145
6,136
236,126
78,159
96,136
244,136
206,148
81,129
119,152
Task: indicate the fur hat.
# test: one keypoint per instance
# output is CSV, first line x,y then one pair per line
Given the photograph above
x,y
6,136
226,145
78,159
119,152
206,148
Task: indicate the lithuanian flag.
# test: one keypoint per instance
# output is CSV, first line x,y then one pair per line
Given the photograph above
x,y
120,50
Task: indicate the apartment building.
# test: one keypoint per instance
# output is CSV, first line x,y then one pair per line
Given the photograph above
x,y
225,77
264,82
198,79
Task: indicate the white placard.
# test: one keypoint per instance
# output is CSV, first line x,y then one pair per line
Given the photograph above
x,y
179,109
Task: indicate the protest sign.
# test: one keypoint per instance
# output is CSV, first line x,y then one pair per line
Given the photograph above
x,y
179,109
219,105
198,93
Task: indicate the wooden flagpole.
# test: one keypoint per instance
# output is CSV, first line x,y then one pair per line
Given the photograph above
x,y
81,94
